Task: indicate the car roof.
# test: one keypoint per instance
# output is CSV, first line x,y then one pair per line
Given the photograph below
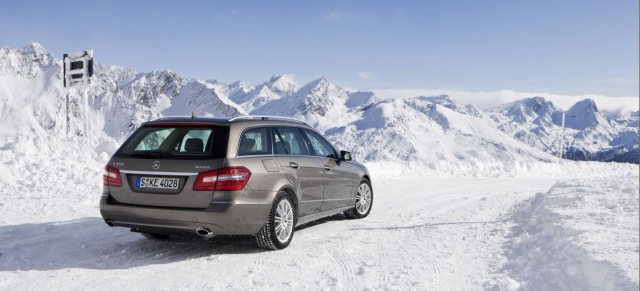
x,y
222,120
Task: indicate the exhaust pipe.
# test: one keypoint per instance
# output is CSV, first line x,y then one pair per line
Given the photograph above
x,y
110,222
201,231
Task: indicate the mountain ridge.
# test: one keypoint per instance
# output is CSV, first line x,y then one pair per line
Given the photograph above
x,y
119,100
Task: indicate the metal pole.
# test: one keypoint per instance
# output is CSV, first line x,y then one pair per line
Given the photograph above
x,y
561,139
68,126
86,112
65,63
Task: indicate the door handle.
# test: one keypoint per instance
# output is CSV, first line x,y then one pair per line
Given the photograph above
x,y
294,165
326,167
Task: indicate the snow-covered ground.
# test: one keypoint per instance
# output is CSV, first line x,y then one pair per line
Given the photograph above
x,y
581,235
438,234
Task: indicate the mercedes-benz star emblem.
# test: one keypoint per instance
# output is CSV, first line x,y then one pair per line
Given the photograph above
x,y
155,165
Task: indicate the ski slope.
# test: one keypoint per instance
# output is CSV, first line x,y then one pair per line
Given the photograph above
x,y
437,234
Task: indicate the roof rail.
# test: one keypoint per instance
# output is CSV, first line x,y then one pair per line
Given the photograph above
x,y
266,117
171,117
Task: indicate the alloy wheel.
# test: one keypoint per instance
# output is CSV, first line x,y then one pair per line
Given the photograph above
x,y
284,220
363,199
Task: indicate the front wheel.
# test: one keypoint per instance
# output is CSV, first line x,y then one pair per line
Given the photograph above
x,y
364,200
278,232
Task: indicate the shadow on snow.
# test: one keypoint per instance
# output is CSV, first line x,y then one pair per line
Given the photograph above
x,y
89,243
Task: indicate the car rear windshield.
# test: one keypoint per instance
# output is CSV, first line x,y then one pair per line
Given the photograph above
x,y
177,142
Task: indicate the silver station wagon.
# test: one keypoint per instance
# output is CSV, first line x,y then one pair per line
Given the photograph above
x,y
250,175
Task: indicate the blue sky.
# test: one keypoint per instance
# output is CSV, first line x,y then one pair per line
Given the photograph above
x,y
564,47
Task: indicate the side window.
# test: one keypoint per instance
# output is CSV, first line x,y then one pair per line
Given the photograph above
x,y
278,145
289,140
255,141
320,146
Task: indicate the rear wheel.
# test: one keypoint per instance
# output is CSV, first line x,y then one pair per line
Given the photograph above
x,y
364,200
278,232
155,235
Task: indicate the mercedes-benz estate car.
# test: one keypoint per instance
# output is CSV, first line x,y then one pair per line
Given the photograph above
x,y
258,176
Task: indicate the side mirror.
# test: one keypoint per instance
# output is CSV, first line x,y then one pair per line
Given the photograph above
x,y
345,156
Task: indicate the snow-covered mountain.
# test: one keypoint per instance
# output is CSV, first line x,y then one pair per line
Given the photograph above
x,y
117,101
168,94
250,98
531,121
427,134
319,103
361,99
423,131
448,102
589,135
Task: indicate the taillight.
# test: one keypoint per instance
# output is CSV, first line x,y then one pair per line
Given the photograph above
x,y
111,177
232,178
206,181
225,179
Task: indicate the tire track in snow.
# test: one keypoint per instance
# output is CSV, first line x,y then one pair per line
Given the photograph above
x,y
348,270
382,258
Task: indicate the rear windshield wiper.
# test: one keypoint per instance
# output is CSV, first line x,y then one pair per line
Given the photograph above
x,y
156,155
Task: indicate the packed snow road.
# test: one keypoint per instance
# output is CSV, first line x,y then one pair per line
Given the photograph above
x,y
429,234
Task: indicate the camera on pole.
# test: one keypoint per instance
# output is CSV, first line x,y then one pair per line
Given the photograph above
x,y
77,70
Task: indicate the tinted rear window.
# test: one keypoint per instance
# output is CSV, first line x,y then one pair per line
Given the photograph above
x,y
177,142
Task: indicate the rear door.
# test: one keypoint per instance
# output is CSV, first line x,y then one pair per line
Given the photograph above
x,y
159,163
338,186
293,155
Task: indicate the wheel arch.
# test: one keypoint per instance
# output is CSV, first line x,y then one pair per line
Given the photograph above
x,y
294,197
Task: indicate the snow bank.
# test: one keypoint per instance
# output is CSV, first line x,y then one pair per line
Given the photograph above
x,y
581,235
40,171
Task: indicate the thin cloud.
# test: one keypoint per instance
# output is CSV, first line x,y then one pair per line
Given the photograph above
x,y
365,75
620,81
335,14
292,78
225,15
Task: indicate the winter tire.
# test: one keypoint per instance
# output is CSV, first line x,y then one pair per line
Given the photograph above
x,y
364,201
278,232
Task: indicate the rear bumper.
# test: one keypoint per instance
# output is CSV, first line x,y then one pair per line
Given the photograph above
x,y
226,218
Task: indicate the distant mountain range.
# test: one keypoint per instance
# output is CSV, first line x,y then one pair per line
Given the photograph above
x,y
589,135
425,130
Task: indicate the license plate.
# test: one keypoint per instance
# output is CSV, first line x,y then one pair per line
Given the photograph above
x,y
159,183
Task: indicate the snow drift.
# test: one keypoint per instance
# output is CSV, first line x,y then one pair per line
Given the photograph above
x,y
581,235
